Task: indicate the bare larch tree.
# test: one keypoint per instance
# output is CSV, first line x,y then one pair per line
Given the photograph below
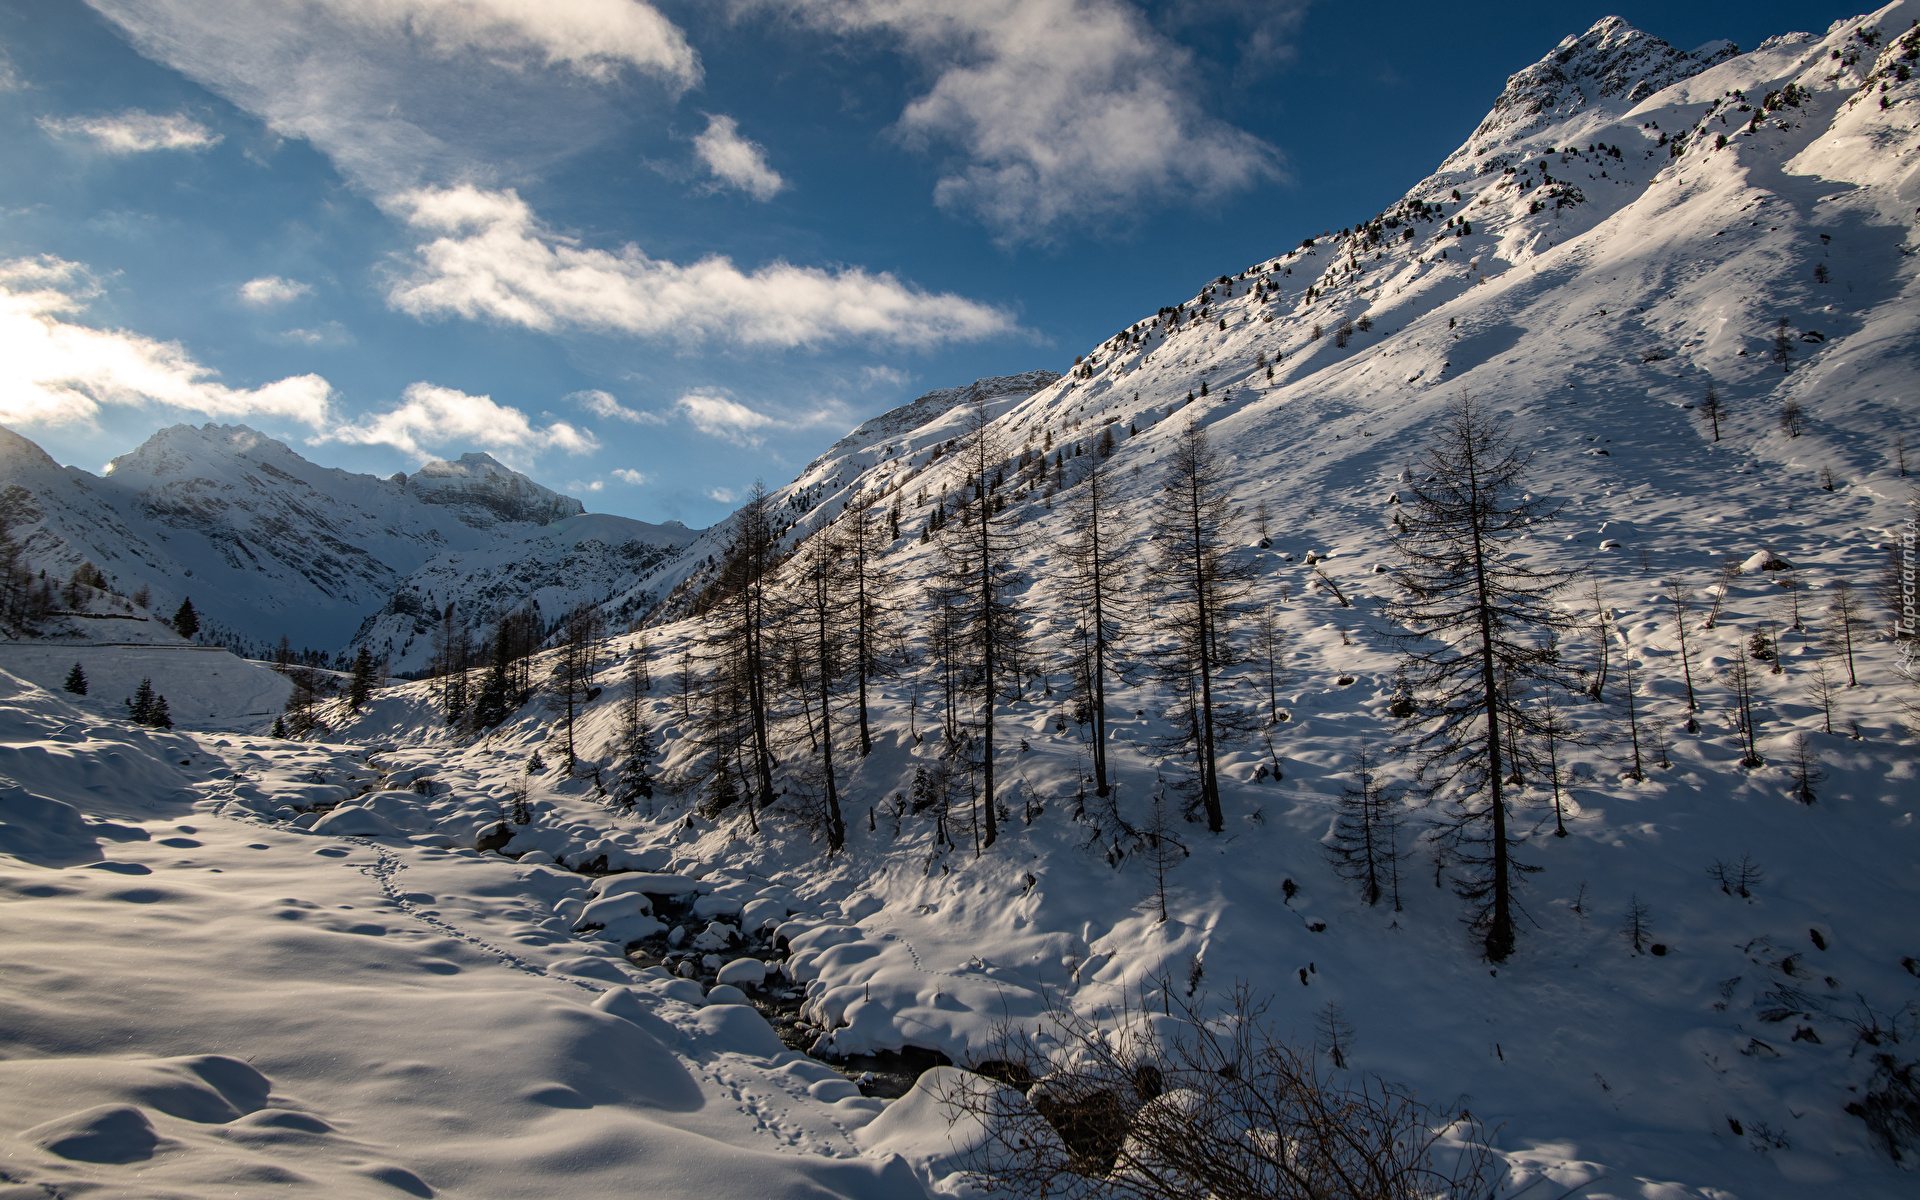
x,y
1475,615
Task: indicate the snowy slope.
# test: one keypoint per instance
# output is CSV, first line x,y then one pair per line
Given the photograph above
x,y
204,1001
591,558
876,458
268,543
1591,299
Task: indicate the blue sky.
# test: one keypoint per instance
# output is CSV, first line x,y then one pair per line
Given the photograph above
x,y
648,253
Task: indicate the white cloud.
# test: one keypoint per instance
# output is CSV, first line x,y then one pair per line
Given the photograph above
x,y
431,416
403,92
602,404
1063,109
884,376
55,372
721,416
490,258
330,334
723,495
725,418
629,476
598,485
269,290
736,161
134,131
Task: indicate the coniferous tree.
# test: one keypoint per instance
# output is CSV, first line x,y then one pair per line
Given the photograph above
x,y
1825,689
1712,408
1637,925
1199,584
865,541
977,551
1095,598
140,707
452,655
1783,350
1804,763
490,707
157,716
1602,639
1269,654
1475,614
1363,845
1681,596
1740,678
76,681
1849,619
1636,769
737,642
1161,851
279,728
1792,418
568,678
634,747
818,612
360,688
186,622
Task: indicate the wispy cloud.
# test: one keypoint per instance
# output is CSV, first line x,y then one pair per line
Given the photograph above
x,y
54,371
430,416
722,494
602,404
718,415
735,161
488,257
270,290
1062,110
404,92
329,335
135,132
629,476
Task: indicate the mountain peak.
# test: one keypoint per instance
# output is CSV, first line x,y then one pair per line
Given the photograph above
x,y
482,491
1612,66
918,411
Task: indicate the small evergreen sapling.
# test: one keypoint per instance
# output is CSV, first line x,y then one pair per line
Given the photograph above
x,y
1637,926
1681,597
1364,842
1849,617
76,681
1804,765
1713,409
1737,878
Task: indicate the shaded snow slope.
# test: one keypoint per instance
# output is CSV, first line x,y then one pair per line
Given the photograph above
x,y
204,1000
267,543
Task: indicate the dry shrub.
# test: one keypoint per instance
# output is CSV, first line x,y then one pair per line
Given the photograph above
x,y
1216,1104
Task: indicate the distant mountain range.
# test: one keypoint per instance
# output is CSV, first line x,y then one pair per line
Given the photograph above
x,y
267,543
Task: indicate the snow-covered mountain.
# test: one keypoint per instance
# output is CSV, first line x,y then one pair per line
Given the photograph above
x,y
267,543
880,449
1631,225
590,558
